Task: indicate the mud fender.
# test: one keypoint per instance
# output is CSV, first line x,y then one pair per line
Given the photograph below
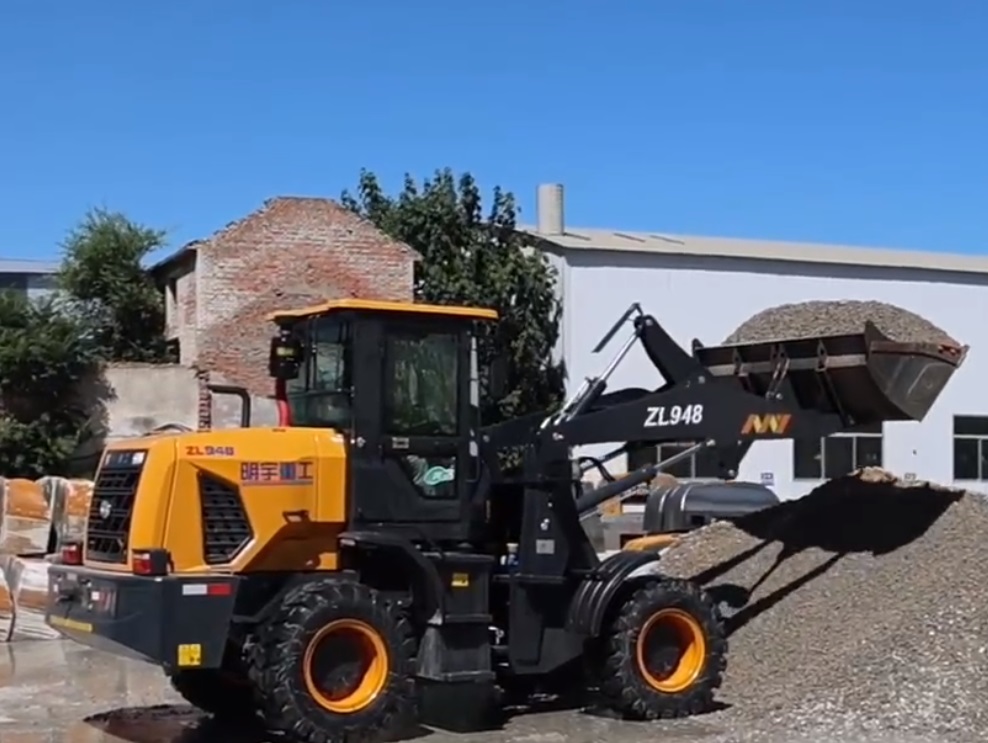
x,y
595,593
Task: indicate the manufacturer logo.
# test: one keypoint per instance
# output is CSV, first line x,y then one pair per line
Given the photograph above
x,y
776,424
105,509
437,475
674,415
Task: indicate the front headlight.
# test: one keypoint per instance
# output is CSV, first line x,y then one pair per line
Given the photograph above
x,y
116,458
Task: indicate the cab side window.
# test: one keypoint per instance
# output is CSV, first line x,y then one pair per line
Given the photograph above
x,y
321,395
420,383
329,358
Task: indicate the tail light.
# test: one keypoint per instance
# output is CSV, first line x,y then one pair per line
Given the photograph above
x,y
71,554
150,562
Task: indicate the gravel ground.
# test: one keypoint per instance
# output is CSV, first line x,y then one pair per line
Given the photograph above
x,y
58,692
860,608
55,692
809,319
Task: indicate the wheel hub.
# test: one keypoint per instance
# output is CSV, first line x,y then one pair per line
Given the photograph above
x,y
346,666
671,650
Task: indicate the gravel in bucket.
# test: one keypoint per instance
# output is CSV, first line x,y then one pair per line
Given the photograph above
x,y
818,317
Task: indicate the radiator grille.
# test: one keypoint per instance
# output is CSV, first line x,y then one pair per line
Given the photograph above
x,y
110,511
225,527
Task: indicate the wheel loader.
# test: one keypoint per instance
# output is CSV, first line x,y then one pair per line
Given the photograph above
x,y
373,560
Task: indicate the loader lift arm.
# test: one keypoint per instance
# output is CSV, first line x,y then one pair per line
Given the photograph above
x,y
730,396
723,397
825,384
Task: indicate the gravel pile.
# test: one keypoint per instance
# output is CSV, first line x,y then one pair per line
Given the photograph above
x,y
817,317
861,607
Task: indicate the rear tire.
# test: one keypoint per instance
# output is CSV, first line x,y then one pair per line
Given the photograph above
x,y
218,693
335,662
663,653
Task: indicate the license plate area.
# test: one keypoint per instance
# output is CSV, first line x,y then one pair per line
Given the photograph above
x,y
93,596
101,599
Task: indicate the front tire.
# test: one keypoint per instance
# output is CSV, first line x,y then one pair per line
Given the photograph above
x,y
663,653
335,662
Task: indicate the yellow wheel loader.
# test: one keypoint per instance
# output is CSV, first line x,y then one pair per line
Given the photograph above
x,y
369,562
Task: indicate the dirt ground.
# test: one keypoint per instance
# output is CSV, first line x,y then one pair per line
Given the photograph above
x,y
58,692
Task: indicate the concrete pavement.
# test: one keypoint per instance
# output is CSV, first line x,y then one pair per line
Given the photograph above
x,y
53,691
57,692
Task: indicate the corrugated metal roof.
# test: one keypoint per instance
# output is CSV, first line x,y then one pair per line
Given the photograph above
x,y
17,265
726,247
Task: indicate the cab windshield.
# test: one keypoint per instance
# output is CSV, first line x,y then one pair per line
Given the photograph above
x,y
321,395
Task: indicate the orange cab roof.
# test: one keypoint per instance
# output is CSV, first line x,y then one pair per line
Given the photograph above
x,y
370,305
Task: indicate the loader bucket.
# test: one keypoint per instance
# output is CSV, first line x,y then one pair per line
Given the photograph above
x,y
866,377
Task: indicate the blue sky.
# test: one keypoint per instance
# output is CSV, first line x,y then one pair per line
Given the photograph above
x,y
843,121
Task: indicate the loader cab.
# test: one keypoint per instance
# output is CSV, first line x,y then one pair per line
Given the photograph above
x,y
399,381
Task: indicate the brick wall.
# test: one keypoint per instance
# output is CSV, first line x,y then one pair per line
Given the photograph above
x,y
291,252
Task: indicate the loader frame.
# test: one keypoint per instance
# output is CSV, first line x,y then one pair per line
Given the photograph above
x,y
435,554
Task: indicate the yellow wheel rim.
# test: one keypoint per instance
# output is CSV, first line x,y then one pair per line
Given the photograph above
x,y
345,666
670,651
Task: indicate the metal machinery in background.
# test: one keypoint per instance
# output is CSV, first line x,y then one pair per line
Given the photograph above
x,y
372,561
674,508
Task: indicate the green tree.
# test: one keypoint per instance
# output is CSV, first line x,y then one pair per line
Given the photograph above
x,y
48,364
470,257
102,272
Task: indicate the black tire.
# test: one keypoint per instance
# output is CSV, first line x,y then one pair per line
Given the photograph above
x,y
660,619
219,693
284,674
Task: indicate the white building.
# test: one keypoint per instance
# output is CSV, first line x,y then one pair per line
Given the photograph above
x,y
702,287
34,279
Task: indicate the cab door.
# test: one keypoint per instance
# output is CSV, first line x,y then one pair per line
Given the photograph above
x,y
412,458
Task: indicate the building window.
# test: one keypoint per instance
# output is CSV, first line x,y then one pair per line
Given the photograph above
x,y
171,301
970,447
699,465
837,455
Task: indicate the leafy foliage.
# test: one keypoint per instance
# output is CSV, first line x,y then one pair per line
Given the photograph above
x,y
47,357
102,272
51,352
470,257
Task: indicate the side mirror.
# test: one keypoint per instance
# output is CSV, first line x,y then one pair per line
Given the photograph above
x,y
285,360
497,377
